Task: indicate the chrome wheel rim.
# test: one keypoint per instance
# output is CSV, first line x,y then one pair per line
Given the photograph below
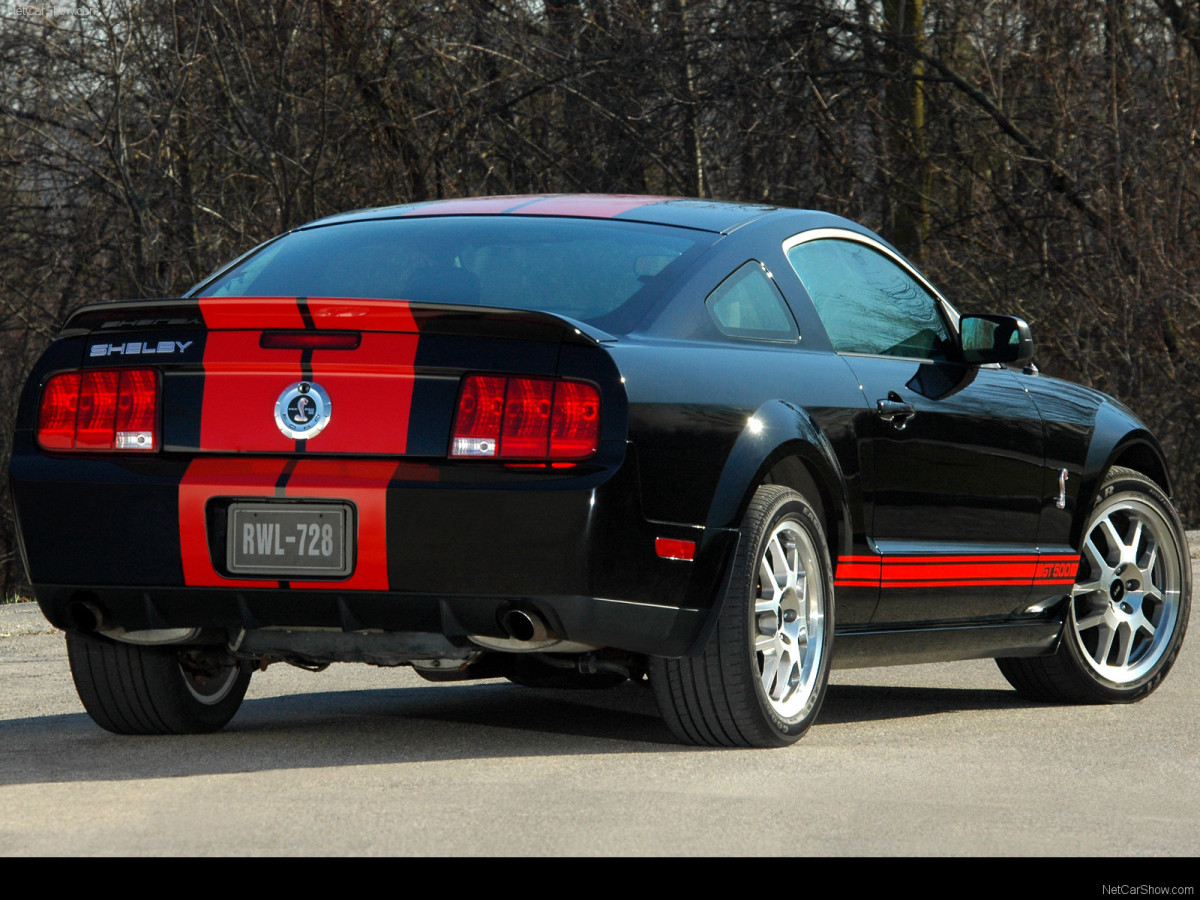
x,y
1125,602
209,688
788,619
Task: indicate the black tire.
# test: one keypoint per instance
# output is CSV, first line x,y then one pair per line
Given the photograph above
x,y
1128,611
730,695
134,689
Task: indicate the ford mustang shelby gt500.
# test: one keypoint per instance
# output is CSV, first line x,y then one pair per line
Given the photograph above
x,y
571,440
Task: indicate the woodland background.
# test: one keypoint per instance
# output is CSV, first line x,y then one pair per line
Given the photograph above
x,y
1036,157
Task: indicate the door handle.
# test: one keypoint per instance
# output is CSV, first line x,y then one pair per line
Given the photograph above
x,y
895,410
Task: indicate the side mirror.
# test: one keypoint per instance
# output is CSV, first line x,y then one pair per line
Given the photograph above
x,y
996,339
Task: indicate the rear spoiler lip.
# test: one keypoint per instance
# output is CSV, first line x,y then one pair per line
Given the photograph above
x,y
133,315
430,318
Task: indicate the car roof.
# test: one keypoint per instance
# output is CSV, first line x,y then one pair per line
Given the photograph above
x,y
706,215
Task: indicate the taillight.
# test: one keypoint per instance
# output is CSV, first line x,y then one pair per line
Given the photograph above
x,y
100,410
520,417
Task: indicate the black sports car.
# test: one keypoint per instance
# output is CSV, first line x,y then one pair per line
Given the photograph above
x,y
572,440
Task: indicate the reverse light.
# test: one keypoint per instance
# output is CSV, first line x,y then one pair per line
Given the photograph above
x,y
520,417
100,410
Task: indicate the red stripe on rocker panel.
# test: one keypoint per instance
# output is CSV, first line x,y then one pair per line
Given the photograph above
x,y
1057,568
858,571
909,573
224,477
968,570
364,483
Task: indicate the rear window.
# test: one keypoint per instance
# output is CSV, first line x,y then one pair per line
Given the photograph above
x,y
603,272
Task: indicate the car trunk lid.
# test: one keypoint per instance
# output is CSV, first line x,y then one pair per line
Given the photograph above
x,y
246,375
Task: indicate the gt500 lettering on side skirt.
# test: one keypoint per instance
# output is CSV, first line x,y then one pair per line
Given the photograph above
x,y
138,348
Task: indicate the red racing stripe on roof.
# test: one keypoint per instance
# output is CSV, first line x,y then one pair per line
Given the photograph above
x,y
592,206
473,206
589,206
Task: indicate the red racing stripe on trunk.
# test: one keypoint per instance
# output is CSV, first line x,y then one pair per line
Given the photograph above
x,y
242,383
347,314
370,388
232,313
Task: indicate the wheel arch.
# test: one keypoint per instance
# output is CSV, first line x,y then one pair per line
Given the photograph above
x,y
1119,439
780,444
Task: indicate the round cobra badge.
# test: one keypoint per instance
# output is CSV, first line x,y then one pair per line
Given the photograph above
x,y
302,410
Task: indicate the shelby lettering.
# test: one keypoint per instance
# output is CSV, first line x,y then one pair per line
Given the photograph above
x,y
138,348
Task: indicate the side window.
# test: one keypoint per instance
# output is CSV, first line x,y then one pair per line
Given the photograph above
x,y
867,303
748,304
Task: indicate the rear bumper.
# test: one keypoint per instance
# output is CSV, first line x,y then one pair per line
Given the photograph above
x,y
441,548
635,627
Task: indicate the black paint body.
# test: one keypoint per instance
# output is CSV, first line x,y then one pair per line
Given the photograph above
x,y
693,421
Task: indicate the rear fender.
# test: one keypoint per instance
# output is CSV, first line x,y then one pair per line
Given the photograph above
x,y
779,431
779,444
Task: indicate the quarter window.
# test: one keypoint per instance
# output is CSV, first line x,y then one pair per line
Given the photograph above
x,y
868,303
748,304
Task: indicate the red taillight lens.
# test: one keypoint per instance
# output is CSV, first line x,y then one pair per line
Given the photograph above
x,y
97,409
60,408
480,414
137,410
576,432
100,410
526,418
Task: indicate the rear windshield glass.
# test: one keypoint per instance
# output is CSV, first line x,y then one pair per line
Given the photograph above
x,y
603,272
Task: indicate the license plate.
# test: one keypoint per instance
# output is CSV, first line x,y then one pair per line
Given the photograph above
x,y
290,540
